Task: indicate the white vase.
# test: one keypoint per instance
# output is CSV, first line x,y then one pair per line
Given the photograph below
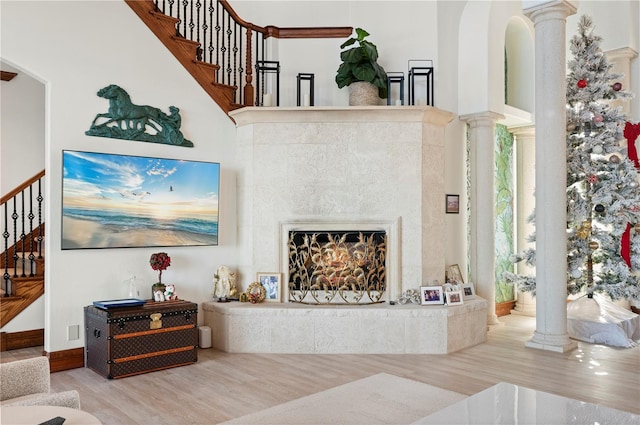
x,y
363,93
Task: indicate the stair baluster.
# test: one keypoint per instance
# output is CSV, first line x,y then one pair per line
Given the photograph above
x,y
6,277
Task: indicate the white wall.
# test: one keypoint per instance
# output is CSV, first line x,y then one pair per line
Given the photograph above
x,y
22,130
520,52
76,48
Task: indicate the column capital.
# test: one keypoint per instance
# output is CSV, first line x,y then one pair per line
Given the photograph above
x,y
482,118
541,10
621,53
527,132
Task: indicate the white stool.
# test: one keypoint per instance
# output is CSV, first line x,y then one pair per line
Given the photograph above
x,y
205,336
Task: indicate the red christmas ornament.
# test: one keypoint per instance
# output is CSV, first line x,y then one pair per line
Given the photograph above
x,y
616,86
582,83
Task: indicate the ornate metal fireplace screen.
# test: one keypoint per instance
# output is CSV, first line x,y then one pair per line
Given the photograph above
x,y
346,267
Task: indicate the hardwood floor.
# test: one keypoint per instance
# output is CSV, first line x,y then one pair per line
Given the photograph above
x,y
223,386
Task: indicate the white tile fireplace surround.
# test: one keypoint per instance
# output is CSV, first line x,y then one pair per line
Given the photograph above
x,y
382,165
344,168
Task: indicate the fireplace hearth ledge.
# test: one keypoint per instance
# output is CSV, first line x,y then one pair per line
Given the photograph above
x,y
345,329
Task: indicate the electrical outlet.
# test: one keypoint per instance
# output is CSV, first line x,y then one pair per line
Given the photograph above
x,y
73,332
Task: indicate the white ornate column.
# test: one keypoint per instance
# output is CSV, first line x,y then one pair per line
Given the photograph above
x,y
621,60
525,204
550,23
482,205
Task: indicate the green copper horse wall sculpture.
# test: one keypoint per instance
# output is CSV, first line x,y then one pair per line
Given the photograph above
x,y
127,121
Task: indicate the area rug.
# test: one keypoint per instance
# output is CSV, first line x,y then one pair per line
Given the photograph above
x,y
378,399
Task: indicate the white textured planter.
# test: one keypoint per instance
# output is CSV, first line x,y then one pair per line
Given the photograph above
x,y
363,93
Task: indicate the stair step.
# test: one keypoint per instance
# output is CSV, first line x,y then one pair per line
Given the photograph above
x,y
189,46
10,298
26,292
169,20
207,70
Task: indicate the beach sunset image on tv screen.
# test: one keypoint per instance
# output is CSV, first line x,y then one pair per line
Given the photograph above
x,y
120,201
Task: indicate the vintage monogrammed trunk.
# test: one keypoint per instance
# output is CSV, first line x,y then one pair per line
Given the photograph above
x,y
128,341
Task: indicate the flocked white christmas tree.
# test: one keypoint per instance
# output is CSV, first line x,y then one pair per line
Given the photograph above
x,y
603,193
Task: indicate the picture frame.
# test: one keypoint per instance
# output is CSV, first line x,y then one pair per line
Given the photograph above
x,y
126,201
468,291
430,295
454,297
255,293
452,204
454,275
272,283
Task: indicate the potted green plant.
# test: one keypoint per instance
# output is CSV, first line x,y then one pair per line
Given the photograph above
x,y
359,64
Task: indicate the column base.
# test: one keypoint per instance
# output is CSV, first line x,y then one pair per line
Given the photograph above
x,y
492,319
524,311
555,343
526,305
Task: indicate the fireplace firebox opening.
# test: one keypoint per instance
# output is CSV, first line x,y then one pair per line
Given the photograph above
x,y
337,267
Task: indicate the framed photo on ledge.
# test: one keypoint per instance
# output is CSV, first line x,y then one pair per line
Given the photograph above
x,y
272,283
431,295
454,297
453,204
468,291
454,275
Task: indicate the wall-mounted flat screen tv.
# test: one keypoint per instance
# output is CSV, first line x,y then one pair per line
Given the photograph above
x,y
122,201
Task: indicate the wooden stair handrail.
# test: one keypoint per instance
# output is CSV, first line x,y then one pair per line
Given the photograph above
x,y
289,32
21,187
308,32
225,4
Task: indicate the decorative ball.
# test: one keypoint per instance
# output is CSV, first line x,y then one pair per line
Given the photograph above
x,y
593,245
616,86
582,84
571,127
633,184
598,118
614,159
599,208
576,274
597,149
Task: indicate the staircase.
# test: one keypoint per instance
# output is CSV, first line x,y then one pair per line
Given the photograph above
x,y
22,260
218,48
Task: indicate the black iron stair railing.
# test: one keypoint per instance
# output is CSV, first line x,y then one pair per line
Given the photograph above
x,y
23,230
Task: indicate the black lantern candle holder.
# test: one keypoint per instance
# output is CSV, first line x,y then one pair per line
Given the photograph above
x,y
264,68
305,77
395,78
421,69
